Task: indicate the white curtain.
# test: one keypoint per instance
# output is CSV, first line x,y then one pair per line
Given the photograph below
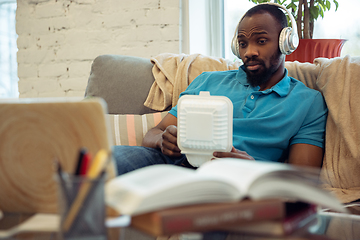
x,y
202,27
8,50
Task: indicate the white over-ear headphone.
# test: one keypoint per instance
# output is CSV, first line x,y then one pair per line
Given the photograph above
x,y
288,39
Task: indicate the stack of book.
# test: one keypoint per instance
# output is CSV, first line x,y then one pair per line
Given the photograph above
x,y
226,194
265,217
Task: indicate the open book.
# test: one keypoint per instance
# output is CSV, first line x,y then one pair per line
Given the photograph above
x,y
222,180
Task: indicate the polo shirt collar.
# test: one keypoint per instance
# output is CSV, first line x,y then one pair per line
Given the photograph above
x,y
282,88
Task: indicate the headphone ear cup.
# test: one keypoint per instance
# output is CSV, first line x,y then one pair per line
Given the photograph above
x,y
284,41
288,41
235,46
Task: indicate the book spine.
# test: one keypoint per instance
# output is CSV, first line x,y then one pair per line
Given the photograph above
x,y
212,220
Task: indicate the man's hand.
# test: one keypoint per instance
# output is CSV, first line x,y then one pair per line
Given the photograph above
x,y
235,153
168,143
164,137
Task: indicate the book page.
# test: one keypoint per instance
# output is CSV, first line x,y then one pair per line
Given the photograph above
x,y
239,172
259,180
151,179
156,186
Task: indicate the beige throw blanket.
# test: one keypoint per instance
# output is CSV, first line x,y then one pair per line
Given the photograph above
x,y
337,79
174,72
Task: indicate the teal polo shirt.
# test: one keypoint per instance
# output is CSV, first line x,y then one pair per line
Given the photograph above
x,y
266,123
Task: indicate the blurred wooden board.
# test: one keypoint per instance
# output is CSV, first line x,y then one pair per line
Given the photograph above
x,y
33,132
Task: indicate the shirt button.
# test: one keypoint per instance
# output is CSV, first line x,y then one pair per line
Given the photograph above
x,y
252,97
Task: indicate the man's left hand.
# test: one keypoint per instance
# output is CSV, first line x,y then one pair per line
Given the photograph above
x,y
235,153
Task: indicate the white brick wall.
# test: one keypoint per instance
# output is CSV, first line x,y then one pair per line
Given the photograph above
x,y
59,39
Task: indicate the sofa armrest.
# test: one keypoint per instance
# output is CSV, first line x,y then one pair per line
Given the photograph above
x,y
122,81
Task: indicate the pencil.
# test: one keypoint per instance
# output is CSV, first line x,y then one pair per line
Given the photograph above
x,y
95,170
61,179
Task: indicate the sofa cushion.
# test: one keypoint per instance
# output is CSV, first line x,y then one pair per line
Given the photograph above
x,y
129,129
122,81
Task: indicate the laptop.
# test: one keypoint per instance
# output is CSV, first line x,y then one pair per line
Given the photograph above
x,y
36,131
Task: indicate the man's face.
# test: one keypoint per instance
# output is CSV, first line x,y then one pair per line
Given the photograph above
x,y
258,39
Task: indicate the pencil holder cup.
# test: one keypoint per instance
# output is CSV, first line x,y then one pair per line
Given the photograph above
x,y
81,207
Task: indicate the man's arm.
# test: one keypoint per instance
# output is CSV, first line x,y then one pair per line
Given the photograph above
x,y
164,136
299,154
306,155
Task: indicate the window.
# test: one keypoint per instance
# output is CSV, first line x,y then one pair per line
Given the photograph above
x,y
205,27
233,10
8,49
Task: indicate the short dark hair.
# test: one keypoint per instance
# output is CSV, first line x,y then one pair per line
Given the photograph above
x,y
273,10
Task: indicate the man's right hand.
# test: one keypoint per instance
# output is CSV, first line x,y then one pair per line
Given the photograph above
x,y
168,143
164,137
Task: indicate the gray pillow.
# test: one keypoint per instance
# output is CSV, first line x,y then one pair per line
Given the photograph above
x,y
122,81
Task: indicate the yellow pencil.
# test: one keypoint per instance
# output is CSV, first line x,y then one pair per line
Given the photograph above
x,y
95,170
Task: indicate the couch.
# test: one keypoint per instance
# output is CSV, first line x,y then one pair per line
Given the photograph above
x,y
139,91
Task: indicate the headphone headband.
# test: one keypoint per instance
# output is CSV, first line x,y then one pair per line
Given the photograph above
x,y
292,19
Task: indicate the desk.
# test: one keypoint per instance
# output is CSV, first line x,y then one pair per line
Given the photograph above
x,y
11,220
336,226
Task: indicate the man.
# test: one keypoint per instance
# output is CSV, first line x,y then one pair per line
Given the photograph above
x,y
276,118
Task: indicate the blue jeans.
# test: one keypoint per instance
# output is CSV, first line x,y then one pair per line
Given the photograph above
x,y
129,158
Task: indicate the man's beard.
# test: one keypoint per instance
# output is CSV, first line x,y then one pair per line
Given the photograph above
x,y
261,76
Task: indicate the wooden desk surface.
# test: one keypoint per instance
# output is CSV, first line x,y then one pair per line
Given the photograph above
x,y
329,227
11,220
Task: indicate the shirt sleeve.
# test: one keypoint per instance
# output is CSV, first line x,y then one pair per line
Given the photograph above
x,y
312,131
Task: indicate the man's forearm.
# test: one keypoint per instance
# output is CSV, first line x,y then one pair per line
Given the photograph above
x,y
306,155
152,138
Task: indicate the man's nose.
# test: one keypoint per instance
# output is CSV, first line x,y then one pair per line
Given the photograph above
x,y
251,51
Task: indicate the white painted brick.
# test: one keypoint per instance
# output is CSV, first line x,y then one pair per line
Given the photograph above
x,y
43,86
73,84
82,39
119,20
82,17
159,16
49,40
78,52
52,93
29,94
84,1
59,24
75,93
27,70
125,35
23,26
170,4
133,5
34,56
50,9
80,69
25,42
27,85
102,7
23,10
33,26
157,33
58,40
53,70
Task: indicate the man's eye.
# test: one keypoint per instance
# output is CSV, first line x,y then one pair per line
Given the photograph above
x,y
262,41
242,44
